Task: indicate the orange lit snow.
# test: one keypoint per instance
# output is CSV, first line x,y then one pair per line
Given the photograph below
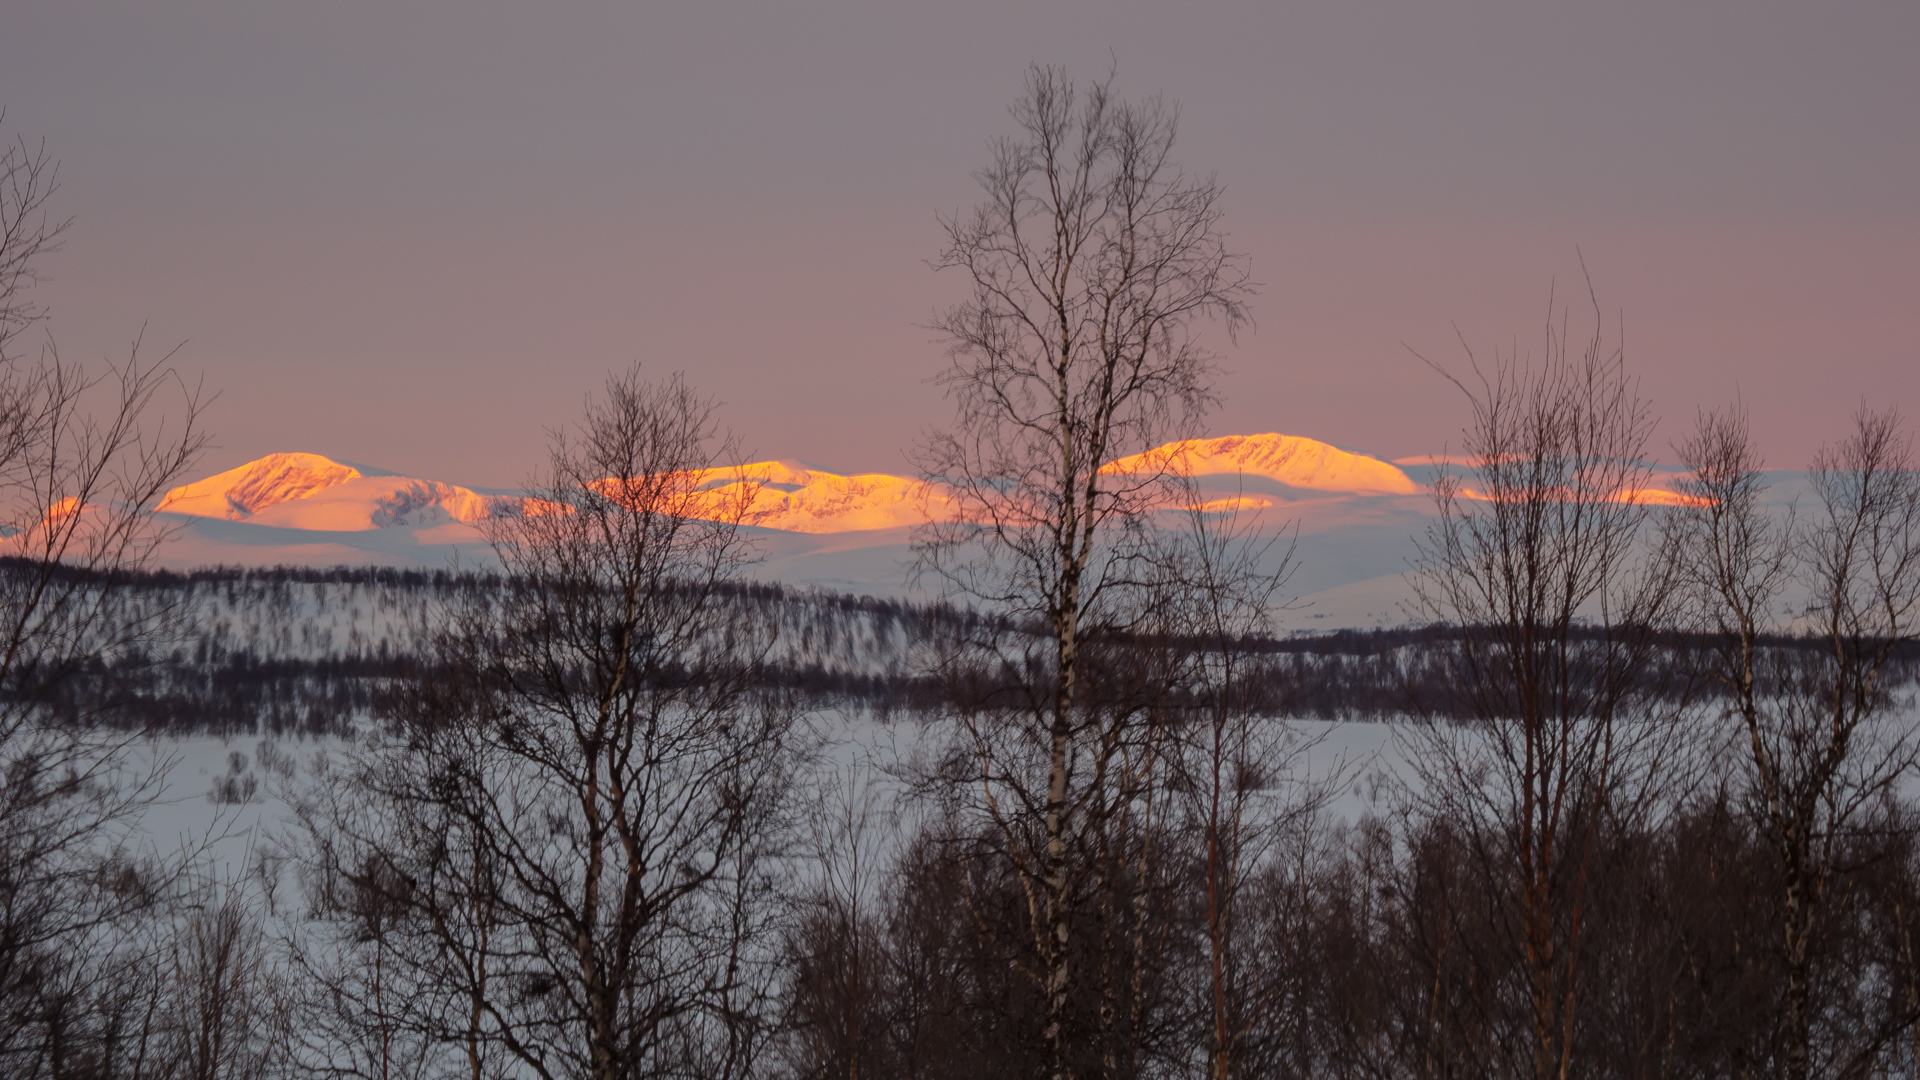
x,y
1294,460
1237,502
312,492
1641,496
52,527
60,511
790,496
307,491
237,493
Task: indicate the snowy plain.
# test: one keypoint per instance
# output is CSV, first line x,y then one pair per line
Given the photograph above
x,y
235,843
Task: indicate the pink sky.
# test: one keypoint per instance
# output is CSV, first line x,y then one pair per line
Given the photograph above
x,y
414,237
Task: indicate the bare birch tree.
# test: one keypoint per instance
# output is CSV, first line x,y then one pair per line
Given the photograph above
x,y
590,783
1548,729
1820,740
84,456
838,974
226,1007
1092,262
1244,776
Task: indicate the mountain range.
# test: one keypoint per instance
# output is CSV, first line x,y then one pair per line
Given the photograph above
x,y
1350,518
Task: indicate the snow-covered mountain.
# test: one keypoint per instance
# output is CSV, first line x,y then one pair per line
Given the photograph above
x,y
1293,460
307,491
1353,513
1350,517
792,497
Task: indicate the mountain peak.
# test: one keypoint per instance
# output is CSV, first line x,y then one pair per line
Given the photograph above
x,y
317,493
1294,460
239,493
794,497
308,491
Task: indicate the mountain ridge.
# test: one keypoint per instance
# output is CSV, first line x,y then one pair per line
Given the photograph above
x,y
312,491
1349,518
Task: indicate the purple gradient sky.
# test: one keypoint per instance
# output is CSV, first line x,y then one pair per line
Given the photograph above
x,y
414,234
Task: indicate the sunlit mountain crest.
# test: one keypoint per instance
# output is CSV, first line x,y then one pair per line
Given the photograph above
x,y
1293,460
1648,496
308,491
790,496
277,478
1352,516
28,534
312,492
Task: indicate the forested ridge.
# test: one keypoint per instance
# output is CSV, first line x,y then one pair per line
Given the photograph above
x,y
282,652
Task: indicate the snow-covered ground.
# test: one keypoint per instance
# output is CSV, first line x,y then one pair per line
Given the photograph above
x,y
235,838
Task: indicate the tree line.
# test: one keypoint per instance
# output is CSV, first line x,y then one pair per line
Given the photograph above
x,y
301,652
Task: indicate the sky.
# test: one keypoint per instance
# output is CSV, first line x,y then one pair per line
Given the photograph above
x,y
415,234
